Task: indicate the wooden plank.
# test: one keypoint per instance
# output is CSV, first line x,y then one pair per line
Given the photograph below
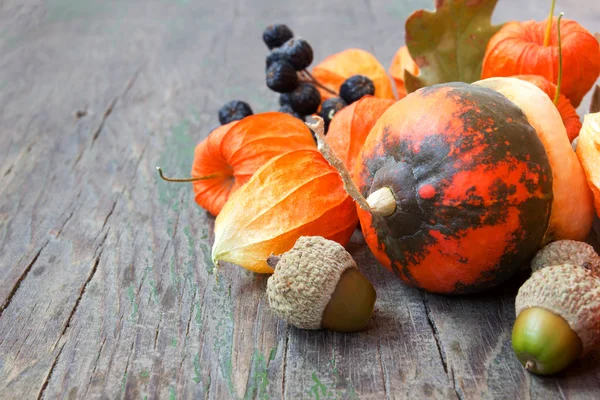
x,y
106,284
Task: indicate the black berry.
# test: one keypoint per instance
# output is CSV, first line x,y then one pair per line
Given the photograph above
x,y
299,53
277,34
282,77
285,99
276,55
305,99
355,87
329,108
234,111
286,108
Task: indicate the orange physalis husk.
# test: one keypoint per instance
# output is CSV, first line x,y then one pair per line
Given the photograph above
x,y
292,195
518,49
335,69
236,150
565,108
402,62
588,151
350,127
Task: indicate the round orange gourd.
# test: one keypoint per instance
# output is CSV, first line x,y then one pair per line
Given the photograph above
x,y
572,207
471,188
235,151
567,111
336,68
350,126
518,49
295,194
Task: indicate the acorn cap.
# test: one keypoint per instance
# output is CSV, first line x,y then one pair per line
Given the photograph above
x,y
570,292
305,278
567,252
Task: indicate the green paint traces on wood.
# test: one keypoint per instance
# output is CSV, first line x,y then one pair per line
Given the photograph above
x,y
223,345
131,296
68,10
174,277
197,370
198,317
172,393
154,288
318,389
173,342
144,374
208,263
259,378
176,160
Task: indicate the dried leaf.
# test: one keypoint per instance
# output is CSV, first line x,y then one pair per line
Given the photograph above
x,y
335,69
595,104
449,43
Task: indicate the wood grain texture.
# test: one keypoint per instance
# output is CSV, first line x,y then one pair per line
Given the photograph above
x,y
106,285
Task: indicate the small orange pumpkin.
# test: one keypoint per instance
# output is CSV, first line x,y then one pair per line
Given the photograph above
x,y
518,48
335,69
567,111
295,194
233,152
351,126
402,62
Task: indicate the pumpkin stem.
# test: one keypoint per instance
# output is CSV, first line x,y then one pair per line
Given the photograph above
x,y
319,128
559,81
308,76
192,179
549,24
382,202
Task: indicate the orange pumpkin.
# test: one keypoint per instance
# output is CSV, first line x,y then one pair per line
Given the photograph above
x,y
402,62
233,152
518,49
350,126
572,206
335,69
567,111
295,194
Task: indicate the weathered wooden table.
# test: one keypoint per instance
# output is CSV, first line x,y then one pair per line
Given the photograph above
x,y
106,285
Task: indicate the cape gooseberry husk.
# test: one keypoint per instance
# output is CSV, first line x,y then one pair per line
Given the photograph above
x,y
567,252
316,285
557,321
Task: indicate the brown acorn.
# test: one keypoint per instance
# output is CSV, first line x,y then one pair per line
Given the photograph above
x,y
567,252
316,285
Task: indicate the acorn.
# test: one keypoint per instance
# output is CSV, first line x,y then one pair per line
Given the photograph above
x,y
567,252
316,285
558,318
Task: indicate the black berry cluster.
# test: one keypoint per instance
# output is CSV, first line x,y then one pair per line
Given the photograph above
x,y
356,87
286,71
234,111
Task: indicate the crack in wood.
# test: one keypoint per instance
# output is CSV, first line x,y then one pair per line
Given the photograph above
x,y
127,366
95,367
285,355
112,209
440,346
84,287
384,373
17,285
49,375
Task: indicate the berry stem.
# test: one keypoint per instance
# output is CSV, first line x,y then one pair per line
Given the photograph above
x,y
308,75
560,66
319,128
192,179
549,24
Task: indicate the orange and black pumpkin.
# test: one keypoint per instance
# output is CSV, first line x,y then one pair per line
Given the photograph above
x,y
472,186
